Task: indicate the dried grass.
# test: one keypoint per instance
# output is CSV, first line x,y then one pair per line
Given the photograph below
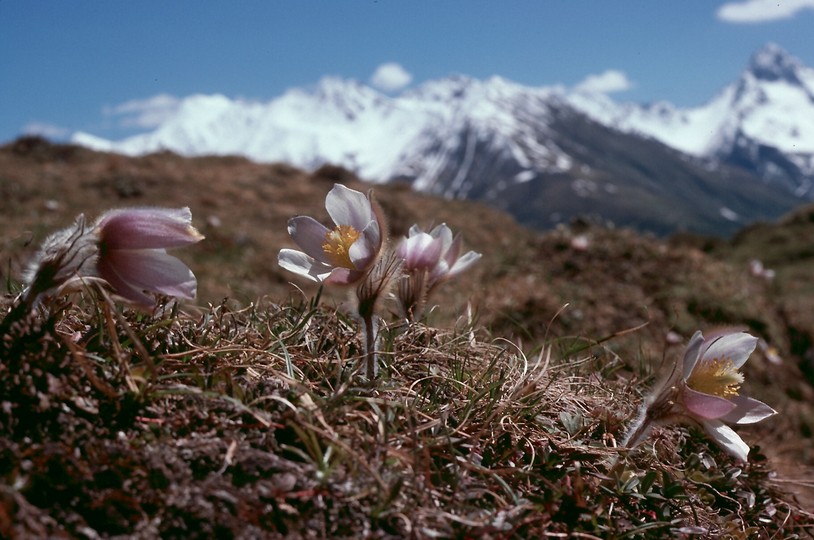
x,y
255,422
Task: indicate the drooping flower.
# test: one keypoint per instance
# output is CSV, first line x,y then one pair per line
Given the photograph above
x,y
125,248
132,257
430,259
344,254
705,389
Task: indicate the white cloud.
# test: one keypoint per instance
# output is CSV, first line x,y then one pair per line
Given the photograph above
x,y
756,11
49,131
606,82
144,113
390,77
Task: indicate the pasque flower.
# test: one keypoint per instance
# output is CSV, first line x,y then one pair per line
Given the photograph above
x,y
704,388
125,248
348,254
132,257
429,259
341,255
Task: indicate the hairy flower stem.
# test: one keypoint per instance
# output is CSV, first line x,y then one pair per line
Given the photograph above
x,y
412,294
371,290
656,409
641,426
370,329
366,310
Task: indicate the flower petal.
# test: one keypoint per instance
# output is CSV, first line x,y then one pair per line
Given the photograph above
x,y
438,274
454,250
692,353
343,276
122,287
414,230
349,207
310,235
361,253
727,439
131,272
147,228
373,233
302,264
463,263
444,234
704,405
419,252
748,411
381,223
736,346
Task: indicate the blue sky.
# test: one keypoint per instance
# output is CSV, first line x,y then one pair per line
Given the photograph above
x,y
97,66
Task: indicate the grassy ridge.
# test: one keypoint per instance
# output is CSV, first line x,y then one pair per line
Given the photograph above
x,y
250,423
243,416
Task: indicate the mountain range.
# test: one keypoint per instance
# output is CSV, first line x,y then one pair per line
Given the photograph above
x,y
546,154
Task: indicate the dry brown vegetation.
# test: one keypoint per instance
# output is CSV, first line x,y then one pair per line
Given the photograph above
x,y
243,416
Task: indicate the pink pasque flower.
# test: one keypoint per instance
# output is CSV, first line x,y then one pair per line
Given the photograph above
x,y
421,251
429,259
344,254
132,254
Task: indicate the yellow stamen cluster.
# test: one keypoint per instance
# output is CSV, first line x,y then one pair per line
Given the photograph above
x,y
337,245
717,377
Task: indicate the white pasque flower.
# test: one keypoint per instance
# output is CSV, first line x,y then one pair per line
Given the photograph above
x,y
710,388
344,254
705,389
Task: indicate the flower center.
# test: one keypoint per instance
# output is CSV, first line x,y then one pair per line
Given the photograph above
x,y
717,377
337,245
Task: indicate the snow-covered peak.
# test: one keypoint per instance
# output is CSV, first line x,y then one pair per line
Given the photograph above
x,y
462,90
348,94
413,134
773,63
771,104
446,90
